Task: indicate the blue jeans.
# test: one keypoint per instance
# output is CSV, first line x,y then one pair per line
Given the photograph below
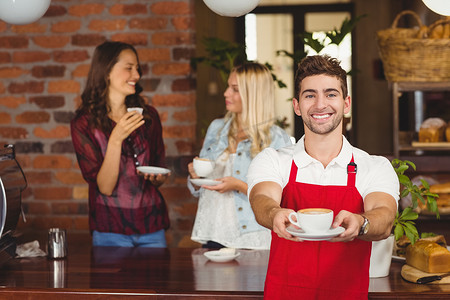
x,y
155,239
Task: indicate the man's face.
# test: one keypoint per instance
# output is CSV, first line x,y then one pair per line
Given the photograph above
x,y
321,104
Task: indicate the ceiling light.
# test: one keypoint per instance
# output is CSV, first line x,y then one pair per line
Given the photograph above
x,y
441,7
20,12
230,8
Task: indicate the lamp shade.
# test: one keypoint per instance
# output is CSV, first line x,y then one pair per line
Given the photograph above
x,y
20,12
231,8
441,7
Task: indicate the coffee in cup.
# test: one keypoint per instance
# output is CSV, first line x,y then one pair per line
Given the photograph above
x,y
312,220
203,166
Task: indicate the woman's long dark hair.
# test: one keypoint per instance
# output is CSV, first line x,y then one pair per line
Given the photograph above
x,y
94,96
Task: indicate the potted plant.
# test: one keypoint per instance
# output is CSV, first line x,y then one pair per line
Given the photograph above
x,y
404,221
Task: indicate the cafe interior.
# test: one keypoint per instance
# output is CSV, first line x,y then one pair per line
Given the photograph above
x,y
396,53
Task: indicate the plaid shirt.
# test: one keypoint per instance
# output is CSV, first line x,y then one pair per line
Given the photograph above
x,y
135,206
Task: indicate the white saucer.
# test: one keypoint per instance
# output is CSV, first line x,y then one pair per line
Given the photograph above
x,y
219,256
327,235
204,181
152,170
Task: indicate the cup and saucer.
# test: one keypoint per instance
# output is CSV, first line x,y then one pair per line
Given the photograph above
x,y
314,224
203,167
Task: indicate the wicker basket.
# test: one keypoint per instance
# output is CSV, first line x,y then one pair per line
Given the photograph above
x,y
409,55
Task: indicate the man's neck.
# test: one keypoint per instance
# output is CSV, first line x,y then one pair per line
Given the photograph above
x,y
324,148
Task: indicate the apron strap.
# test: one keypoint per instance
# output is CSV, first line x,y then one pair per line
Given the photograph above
x,y
351,173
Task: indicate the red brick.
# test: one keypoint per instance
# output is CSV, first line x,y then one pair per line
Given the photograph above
x,y
186,209
87,39
48,101
107,25
32,117
136,39
154,54
183,85
26,87
2,88
5,118
38,208
128,9
48,71
35,27
55,41
171,8
64,86
70,177
81,70
148,23
81,222
12,72
174,194
12,42
52,162
52,193
58,132
30,56
81,192
36,177
13,133
172,38
66,26
183,53
187,131
49,222
178,100
189,115
183,23
171,69
164,116
83,10
5,57
55,11
65,208
12,102
2,26
70,56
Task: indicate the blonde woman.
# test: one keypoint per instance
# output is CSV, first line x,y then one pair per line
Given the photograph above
x,y
224,216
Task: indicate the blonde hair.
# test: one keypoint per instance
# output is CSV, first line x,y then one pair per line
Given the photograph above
x,y
256,88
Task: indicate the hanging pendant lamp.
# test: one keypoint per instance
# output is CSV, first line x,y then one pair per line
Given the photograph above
x,y
20,12
231,8
441,7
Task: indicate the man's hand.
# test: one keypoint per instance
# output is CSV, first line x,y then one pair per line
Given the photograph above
x,y
281,221
351,222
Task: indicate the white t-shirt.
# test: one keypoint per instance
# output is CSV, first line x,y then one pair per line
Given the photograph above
x,y
374,173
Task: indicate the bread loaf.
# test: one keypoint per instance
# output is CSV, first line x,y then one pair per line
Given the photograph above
x,y
447,131
404,242
428,257
432,130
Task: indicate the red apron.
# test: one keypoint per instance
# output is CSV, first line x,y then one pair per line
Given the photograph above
x,y
319,270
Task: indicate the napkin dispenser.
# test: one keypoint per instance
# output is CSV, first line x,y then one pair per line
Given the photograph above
x,y
12,183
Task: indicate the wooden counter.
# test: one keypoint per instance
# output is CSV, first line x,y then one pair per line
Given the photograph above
x,y
174,273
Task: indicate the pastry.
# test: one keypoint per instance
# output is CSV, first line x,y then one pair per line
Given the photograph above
x,y
432,130
402,244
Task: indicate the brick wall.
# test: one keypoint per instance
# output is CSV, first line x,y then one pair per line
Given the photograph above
x,y
43,67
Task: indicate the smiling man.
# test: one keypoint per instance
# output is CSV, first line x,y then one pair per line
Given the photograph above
x,y
322,171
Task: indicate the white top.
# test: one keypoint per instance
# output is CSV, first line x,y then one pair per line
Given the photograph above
x,y
374,173
217,220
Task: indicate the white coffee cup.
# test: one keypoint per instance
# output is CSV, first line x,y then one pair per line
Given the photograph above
x,y
203,166
138,109
312,220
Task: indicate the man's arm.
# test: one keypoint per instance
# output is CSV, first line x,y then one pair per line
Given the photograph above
x,y
380,208
265,199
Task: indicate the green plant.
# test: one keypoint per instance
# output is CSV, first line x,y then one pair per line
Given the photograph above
x,y
404,221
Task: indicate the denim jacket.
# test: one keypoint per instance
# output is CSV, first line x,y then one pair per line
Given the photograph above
x,y
216,142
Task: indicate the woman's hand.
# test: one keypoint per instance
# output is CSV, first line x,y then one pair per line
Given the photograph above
x,y
229,183
155,179
126,125
191,170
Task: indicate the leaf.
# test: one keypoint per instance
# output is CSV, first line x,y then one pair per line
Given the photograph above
x,y
409,214
398,231
316,44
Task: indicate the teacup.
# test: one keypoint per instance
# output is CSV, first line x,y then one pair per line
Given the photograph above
x,y
203,166
312,220
138,109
